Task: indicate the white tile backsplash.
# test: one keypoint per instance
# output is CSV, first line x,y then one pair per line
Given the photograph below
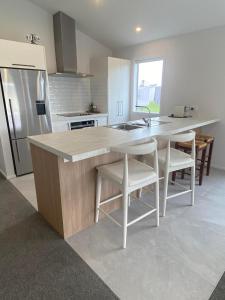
x,y
69,94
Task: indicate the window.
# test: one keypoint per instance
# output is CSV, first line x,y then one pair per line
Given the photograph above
x,y
148,83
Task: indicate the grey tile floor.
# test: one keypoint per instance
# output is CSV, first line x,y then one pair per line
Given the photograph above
x,y
182,259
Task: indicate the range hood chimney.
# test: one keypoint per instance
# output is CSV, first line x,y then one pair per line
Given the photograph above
x,y
65,46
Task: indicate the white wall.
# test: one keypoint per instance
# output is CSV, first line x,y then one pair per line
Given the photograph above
x,y
194,73
87,49
17,18
20,17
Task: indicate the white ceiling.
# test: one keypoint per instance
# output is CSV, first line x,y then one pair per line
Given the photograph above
x,y
112,22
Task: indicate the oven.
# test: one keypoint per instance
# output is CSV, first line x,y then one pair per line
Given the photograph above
x,y
81,124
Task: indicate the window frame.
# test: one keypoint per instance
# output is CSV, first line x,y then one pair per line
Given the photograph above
x,y
135,83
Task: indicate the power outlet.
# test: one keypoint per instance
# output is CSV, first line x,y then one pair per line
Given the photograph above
x,y
194,108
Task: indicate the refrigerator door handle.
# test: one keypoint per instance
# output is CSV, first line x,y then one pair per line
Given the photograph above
x,y
22,65
13,121
17,151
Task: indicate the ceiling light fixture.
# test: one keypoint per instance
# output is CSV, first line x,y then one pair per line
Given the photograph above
x,y
98,2
138,29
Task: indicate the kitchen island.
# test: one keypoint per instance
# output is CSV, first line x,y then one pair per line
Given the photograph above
x,y
65,168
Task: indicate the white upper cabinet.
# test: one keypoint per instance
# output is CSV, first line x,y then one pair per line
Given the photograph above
x,y
22,55
110,88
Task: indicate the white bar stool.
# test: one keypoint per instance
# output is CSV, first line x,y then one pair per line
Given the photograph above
x,y
171,160
130,175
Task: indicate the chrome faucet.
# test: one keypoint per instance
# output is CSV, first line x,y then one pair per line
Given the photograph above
x,y
147,120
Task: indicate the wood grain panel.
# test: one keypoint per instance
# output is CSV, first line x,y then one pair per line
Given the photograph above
x,y
78,184
46,176
66,190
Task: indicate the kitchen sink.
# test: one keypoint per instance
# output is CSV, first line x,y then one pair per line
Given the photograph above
x,y
125,126
137,125
74,114
153,123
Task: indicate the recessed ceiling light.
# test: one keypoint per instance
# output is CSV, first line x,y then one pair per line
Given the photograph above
x,y
98,2
138,29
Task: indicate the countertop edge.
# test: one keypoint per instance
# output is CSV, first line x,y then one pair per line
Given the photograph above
x,y
56,118
52,150
101,151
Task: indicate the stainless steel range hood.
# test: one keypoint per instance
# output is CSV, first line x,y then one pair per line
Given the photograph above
x,y
65,47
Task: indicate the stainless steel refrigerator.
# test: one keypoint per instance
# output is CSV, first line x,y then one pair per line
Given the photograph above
x,y
25,98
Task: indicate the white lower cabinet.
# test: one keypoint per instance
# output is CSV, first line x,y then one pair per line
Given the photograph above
x,y
103,121
62,126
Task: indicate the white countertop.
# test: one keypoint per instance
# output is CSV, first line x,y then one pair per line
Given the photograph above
x,y
57,118
90,142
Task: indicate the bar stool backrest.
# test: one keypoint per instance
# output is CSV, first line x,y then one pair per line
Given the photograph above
x,y
183,137
146,147
142,148
179,138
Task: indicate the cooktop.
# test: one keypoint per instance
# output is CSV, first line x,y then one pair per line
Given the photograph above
x,y
74,114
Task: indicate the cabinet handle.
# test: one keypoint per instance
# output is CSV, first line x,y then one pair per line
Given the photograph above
x,y
118,108
68,125
12,116
21,65
17,151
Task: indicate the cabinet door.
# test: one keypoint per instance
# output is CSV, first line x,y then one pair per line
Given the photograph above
x,y
113,89
125,88
60,126
118,89
101,121
22,55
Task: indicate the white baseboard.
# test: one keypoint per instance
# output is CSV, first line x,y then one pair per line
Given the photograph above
x,y
3,174
7,176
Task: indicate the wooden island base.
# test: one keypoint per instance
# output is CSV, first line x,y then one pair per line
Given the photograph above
x,y
66,190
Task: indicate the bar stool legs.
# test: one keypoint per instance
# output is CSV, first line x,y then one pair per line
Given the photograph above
x,y
125,216
202,166
98,196
157,202
210,142
165,191
130,175
201,150
174,175
209,157
193,186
